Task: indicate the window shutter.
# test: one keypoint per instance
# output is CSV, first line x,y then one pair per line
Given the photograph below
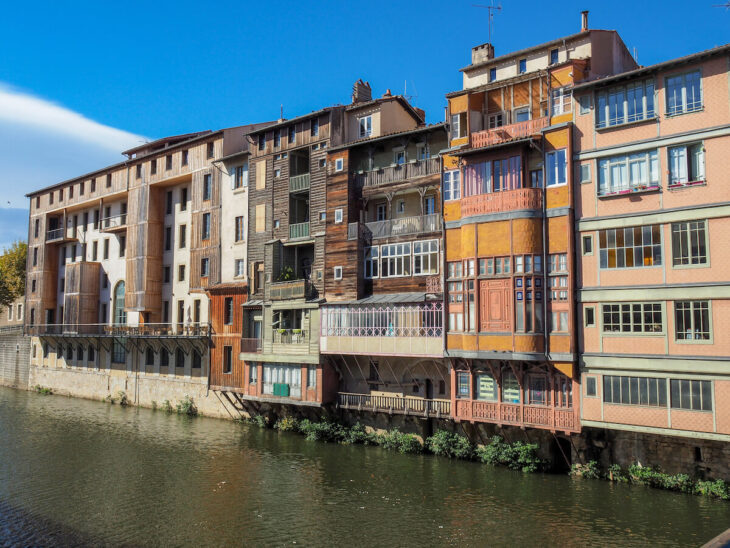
x,y
233,178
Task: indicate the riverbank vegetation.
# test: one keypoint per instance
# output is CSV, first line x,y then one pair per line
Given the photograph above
x,y
653,477
43,390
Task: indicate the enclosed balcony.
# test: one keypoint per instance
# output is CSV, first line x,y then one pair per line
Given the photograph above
x,y
292,289
503,134
399,173
403,226
388,328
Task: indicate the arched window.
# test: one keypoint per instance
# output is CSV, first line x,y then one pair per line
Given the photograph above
x,y
149,357
120,315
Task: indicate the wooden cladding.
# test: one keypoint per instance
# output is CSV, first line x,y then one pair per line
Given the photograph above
x,y
495,298
81,295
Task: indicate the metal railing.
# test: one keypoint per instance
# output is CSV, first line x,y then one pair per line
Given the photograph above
x,y
403,226
406,320
293,289
395,174
61,233
394,404
115,221
290,336
299,230
252,346
297,183
119,330
502,134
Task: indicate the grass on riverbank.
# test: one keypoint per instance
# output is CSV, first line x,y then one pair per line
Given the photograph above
x,y
43,390
653,477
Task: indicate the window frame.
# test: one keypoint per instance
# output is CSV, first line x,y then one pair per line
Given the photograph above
x,y
428,254
339,164
603,104
699,383
684,110
554,175
365,126
655,263
451,187
607,187
689,229
691,181
586,238
621,332
337,272
632,385
710,333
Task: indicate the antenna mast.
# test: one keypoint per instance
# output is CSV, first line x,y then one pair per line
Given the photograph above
x,y
491,8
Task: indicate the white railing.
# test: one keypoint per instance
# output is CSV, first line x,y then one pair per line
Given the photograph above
x,y
399,227
407,320
395,174
115,221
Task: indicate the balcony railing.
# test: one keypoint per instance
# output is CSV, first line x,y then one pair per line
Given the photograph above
x,y
60,234
252,346
497,202
113,330
394,405
396,174
502,134
290,336
299,230
297,183
395,227
509,413
114,222
294,289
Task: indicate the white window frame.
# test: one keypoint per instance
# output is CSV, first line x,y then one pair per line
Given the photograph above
x,y
337,272
338,215
562,100
496,119
395,260
585,173
552,172
619,99
371,262
626,165
458,125
687,105
399,156
339,164
365,126
428,252
239,268
681,159
452,185
692,331
423,152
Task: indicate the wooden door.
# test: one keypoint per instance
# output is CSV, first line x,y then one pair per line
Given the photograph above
x,y
495,312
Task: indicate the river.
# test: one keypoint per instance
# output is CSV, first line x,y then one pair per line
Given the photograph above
x,y
87,473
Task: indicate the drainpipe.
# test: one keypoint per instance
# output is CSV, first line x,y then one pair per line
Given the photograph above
x,y
545,292
443,261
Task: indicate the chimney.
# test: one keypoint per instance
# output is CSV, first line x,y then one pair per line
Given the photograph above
x,y
421,113
584,20
387,93
361,92
482,53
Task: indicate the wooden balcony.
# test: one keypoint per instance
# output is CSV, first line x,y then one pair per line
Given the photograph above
x,y
293,289
299,183
115,223
397,174
538,416
299,231
394,405
498,202
251,346
403,226
503,134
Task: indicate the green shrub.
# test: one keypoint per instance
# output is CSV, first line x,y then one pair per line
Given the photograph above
x,y
396,440
517,456
717,488
616,473
322,431
287,424
451,445
186,406
589,470
123,400
259,420
358,434
167,407
43,390
154,405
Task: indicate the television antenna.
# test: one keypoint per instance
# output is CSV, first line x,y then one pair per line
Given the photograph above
x,y
492,8
726,5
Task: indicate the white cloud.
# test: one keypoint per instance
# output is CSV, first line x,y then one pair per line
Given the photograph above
x,y
42,143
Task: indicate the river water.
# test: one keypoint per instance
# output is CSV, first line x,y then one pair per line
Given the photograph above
x,y
86,473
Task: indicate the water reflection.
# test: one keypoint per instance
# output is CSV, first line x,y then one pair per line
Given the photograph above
x,y
88,472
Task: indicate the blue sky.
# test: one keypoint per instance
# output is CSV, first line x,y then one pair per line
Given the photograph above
x,y
160,68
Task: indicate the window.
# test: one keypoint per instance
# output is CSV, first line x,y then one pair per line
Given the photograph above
x,y
50,197
338,215
585,173
452,185
587,245
521,114
197,360
108,180
558,322
183,236
322,163
522,66
632,318
634,247
556,168
462,385
622,174
205,232
277,138
181,273
692,321
492,74
536,391
106,249
119,352
399,156
339,164
689,243
322,216
486,387
645,391
426,257
168,162
239,229
210,150
536,178
686,165
149,357
262,141
196,311
227,359
184,157
153,166
311,376
557,262
562,100
165,311
207,186
371,262
458,125
32,286
528,304
381,211
401,207
292,135
338,272
240,177
494,266
164,358
625,104
168,202
122,246
694,395
365,125
422,152
496,120
36,228
558,286
276,223
495,176
239,268
277,173
19,313
165,274
228,311
589,316
553,56
314,127
204,267
139,171
168,238
91,356
395,260
510,387
253,374
585,104
684,93
184,199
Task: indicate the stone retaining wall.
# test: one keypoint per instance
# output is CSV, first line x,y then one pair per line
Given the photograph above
x,y
14,357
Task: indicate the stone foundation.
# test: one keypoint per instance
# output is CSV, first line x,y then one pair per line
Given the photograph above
x,y
14,358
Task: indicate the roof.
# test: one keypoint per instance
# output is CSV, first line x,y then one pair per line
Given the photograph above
x,y
419,129
165,141
531,48
253,303
294,120
653,68
389,298
508,142
227,286
400,98
500,83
